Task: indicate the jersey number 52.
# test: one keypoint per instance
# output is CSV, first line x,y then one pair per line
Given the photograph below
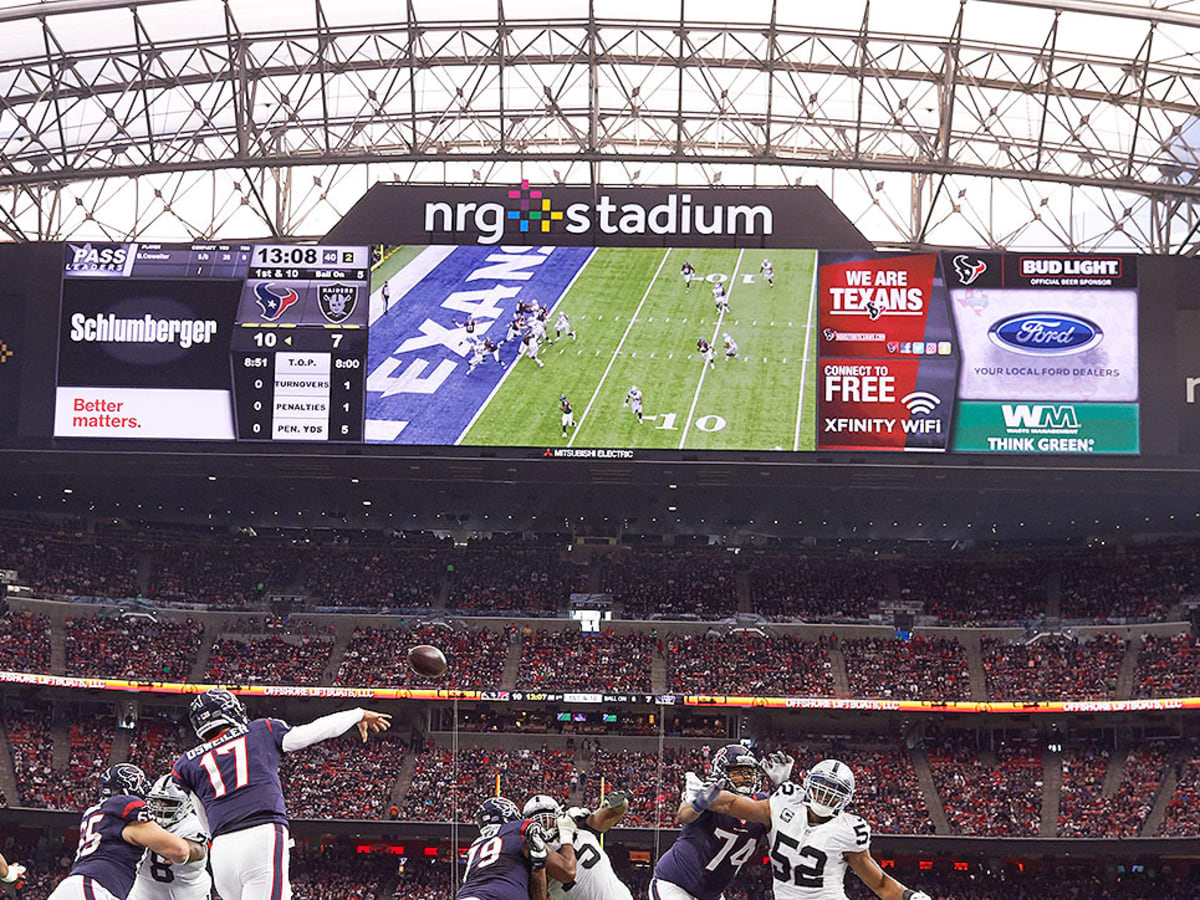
x,y
804,867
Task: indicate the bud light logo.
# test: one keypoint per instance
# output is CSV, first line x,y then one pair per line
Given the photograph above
x,y
1045,334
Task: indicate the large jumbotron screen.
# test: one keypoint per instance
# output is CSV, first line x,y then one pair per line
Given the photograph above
x,y
754,324
577,347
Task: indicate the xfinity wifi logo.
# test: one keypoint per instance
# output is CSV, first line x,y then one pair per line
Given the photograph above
x,y
529,209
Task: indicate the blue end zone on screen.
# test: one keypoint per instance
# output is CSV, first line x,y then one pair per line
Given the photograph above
x,y
418,390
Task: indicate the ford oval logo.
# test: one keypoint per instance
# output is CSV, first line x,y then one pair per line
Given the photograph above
x,y
1045,334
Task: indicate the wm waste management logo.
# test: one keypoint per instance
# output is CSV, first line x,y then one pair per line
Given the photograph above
x,y
1040,428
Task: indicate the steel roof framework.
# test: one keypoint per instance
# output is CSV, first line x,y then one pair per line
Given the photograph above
x,y
922,139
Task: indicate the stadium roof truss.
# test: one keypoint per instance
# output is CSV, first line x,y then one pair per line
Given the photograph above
x,y
1003,124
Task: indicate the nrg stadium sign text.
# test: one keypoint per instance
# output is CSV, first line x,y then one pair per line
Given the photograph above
x,y
529,210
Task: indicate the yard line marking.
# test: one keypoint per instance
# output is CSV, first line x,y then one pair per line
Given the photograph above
x,y
616,353
812,301
704,368
512,366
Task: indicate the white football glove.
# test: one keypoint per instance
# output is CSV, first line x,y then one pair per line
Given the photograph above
x,y
15,871
910,894
778,766
692,785
706,796
567,829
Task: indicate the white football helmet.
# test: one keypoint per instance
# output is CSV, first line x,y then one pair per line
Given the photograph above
x,y
828,788
168,802
544,811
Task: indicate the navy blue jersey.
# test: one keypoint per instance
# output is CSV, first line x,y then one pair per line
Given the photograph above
x,y
103,854
236,776
496,865
709,852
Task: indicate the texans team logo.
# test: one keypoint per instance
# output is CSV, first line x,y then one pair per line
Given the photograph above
x,y
968,268
273,301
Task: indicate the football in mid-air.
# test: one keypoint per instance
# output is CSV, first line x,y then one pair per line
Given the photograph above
x,y
427,660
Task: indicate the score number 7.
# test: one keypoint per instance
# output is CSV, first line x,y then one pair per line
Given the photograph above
x,y
241,766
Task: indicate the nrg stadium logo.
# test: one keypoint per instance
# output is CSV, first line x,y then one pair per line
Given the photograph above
x,y
528,209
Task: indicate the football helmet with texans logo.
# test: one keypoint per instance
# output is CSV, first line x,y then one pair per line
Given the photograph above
x,y
124,780
496,811
215,710
735,769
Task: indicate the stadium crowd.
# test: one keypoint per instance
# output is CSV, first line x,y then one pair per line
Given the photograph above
x,y
271,660
386,576
132,647
1053,667
1168,666
222,573
24,643
441,783
977,592
669,585
486,581
570,661
342,778
789,588
924,668
379,656
1086,810
747,662
997,792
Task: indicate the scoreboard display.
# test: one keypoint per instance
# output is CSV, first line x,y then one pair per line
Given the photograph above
x,y
517,347
246,342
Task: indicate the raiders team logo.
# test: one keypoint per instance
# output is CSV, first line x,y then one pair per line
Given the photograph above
x,y
337,301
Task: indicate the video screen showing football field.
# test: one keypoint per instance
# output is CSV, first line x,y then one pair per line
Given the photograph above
x,y
506,347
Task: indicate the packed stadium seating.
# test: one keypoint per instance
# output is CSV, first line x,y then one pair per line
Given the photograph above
x,y
1168,666
657,796
71,562
1134,585
924,668
40,783
155,745
439,783
342,778
379,656
1086,811
748,663
222,573
1183,809
24,643
650,584
990,793
338,873
272,660
786,588
998,592
571,661
390,575
485,581
132,647
1053,667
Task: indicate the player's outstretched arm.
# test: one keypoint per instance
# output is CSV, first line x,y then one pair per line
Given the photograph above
x,y
333,725
736,805
538,855
884,885
154,837
611,811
